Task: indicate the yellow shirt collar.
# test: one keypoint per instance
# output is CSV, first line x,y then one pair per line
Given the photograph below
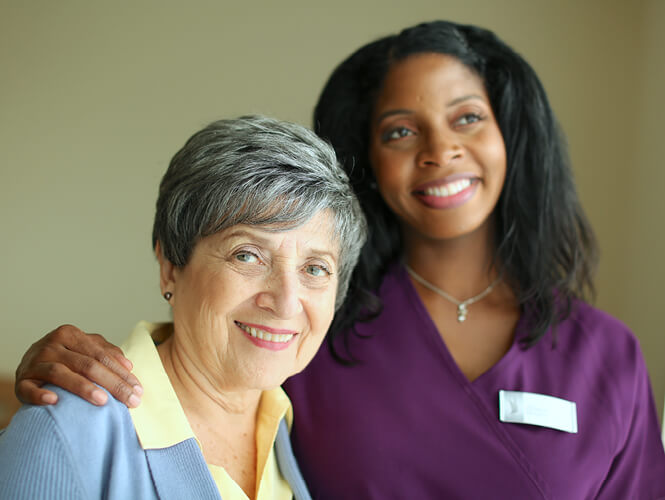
x,y
160,421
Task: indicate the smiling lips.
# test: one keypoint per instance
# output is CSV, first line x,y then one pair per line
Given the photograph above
x,y
275,340
449,194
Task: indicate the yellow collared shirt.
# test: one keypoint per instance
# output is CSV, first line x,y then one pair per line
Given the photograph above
x,y
160,421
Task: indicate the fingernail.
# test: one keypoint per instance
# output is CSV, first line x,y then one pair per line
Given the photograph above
x,y
49,399
99,396
134,401
138,390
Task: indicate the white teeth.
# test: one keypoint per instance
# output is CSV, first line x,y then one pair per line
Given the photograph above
x,y
449,189
263,335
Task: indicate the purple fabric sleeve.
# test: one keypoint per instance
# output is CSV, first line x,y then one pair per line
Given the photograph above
x,y
637,470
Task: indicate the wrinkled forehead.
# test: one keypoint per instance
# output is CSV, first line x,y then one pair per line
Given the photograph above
x,y
316,234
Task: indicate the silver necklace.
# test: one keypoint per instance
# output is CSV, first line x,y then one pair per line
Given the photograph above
x,y
462,305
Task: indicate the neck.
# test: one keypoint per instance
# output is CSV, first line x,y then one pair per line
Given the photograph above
x,y
202,397
463,266
223,419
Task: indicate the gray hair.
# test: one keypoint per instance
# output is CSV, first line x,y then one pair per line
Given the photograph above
x,y
257,171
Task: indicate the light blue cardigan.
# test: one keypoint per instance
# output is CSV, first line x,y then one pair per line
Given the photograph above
x,y
75,450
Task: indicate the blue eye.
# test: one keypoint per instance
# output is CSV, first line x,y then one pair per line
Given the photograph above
x,y
247,257
317,270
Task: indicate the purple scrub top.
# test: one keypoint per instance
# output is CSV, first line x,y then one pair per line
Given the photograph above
x,y
405,423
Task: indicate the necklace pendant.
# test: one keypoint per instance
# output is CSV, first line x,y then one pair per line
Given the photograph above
x,y
461,313
461,306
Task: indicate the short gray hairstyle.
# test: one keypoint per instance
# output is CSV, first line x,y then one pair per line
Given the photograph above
x,y
257,171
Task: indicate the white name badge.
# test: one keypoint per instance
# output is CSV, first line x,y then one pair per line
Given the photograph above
x,y
538,409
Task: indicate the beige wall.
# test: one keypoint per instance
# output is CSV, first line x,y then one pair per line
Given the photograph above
x,y
644,291
95,98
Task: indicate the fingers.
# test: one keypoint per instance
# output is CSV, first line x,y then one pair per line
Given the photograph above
x,y
105,352
107,372
65,378
127,364
29,391
80,379
73,360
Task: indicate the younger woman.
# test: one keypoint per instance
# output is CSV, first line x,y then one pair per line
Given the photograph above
x,y
464,362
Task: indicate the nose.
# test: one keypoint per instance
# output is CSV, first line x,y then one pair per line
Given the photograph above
x,y
280,295
439,150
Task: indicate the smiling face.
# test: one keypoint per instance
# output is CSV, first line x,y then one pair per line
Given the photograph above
x,y
252,306
436,149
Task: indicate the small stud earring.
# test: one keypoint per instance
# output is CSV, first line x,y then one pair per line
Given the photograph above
x,y
167,296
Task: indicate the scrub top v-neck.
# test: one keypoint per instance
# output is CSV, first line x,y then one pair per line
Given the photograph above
x,y
404,421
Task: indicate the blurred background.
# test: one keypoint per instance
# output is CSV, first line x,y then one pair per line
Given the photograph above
x,y
95,98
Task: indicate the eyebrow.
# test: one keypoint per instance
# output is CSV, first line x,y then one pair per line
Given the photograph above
x,y
392,112
463,98
239,233
405,111
324,253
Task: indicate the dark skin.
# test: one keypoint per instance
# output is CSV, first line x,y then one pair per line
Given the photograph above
x,y
69,358
433,126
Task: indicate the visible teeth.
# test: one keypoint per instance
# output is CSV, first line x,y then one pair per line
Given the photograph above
x,y
263,335
449,189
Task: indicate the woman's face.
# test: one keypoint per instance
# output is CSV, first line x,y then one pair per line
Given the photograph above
x,y
435,147
252,306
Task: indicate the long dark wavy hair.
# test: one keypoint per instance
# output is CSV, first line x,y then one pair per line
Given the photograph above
x,y
545,248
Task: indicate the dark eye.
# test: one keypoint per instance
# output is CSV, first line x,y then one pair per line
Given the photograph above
x,y
468,119
247,257
396,133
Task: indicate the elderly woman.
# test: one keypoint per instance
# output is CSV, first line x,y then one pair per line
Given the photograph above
x,y
485,374
256,233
